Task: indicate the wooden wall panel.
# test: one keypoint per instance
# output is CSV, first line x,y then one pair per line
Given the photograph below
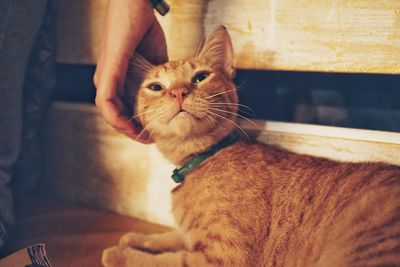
x,y
88,162
304,35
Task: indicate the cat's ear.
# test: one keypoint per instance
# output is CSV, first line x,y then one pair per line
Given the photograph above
x,y
217,51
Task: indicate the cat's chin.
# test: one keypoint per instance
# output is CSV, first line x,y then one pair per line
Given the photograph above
x,y
183,115
185,124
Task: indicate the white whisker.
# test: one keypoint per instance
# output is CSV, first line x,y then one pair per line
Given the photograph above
x,y
243,117
140,67
234,123
233,104
210,119
248,113
140,63
220,93
147,127
239,87
200,45
138,115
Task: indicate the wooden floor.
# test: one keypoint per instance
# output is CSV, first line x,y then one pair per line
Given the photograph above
x,y
74,235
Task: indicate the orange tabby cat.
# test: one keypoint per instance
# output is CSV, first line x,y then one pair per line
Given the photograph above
x,y
253,204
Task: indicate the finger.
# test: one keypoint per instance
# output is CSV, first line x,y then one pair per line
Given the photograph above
x,y
112,113
112,108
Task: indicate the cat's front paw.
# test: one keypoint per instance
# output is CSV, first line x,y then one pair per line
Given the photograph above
x,y
114,257
132,240
140,241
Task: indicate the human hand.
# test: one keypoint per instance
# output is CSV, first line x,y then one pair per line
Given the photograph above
x,y
130,26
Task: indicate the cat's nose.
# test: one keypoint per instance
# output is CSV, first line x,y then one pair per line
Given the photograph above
x,y
179,93
176,92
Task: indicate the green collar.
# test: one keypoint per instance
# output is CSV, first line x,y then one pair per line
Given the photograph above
x,y
178,175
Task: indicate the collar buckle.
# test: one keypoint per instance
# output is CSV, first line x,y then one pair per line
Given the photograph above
x,y
178,175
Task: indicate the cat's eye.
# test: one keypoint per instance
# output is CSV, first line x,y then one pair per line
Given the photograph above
x,y
155,87
200,76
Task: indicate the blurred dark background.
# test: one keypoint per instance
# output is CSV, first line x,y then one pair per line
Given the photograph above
x,y
366,101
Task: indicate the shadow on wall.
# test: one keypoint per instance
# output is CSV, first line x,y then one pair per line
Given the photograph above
x,y
367,101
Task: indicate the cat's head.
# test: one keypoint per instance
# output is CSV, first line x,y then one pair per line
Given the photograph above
x,y
190,98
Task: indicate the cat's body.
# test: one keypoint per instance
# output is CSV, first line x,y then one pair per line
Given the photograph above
x,y
268,207
253,204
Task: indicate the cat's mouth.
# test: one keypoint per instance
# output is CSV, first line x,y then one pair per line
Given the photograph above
x,y
183,114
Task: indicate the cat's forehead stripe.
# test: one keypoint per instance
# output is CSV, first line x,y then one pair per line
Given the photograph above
x,y
175,65
175,70
192,64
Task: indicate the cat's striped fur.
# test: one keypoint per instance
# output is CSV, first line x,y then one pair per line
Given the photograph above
x,y
253,204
